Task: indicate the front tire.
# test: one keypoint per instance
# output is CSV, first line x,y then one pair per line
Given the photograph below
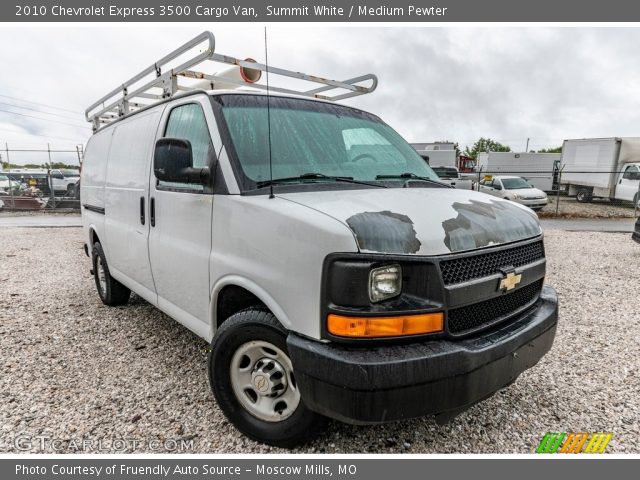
x,y
111,292
254,384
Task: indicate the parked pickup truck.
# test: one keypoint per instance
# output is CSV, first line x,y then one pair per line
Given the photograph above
x,y
451,176
330,270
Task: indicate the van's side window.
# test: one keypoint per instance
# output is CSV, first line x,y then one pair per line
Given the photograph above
x,y
188,122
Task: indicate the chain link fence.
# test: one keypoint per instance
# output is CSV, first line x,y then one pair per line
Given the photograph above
x,y
40,179
594,194
558,193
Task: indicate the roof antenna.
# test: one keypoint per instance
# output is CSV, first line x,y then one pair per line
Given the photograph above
x,y
266,63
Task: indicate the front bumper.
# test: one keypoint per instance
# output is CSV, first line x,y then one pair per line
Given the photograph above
x,y
375,384
636,234
533,203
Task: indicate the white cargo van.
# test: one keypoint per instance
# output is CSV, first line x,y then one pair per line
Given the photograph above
x,y
312,246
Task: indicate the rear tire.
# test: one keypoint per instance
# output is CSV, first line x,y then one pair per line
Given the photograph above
x,y
253,381
584,195
111,292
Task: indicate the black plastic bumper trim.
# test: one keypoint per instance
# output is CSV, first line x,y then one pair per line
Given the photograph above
x,y
376,384
93,208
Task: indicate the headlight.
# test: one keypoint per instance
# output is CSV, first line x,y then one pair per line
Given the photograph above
x,y
385,282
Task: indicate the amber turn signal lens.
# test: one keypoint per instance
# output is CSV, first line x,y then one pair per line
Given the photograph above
x,y
371,327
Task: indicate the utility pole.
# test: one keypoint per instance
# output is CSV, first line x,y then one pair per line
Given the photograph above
x,y
526,149
79,155
13,200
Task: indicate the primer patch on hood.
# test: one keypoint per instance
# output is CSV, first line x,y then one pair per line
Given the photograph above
x,y
481,224
384,232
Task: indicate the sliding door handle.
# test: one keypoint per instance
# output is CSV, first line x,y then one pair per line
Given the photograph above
x,y
152,211
142,210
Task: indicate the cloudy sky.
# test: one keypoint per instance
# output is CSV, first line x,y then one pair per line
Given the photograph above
x,y
435,83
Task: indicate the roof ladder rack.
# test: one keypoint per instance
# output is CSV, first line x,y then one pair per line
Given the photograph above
x,y
158,82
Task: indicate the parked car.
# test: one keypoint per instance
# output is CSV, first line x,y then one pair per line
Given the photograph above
x,y
516,189
330,284
451,176
40,179
4,182
31,179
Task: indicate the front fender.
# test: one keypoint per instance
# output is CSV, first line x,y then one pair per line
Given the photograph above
x,y
250,286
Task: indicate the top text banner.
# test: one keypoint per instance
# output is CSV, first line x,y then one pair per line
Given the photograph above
x,y
432,11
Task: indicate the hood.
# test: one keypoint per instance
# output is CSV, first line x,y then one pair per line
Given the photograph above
x,y
423,221
528,192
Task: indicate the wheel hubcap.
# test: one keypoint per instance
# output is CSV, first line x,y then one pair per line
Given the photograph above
x,y
263,382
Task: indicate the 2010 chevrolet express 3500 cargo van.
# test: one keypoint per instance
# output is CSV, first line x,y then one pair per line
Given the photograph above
x,y
315,249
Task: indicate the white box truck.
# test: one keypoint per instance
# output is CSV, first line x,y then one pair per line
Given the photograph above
x,y
539,169
312,246
441,156
602,167
437,154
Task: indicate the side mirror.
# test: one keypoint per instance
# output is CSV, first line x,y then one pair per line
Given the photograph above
x,y
497,187
173,162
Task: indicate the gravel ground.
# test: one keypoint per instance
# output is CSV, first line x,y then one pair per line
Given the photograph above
x,y
600,208
72,369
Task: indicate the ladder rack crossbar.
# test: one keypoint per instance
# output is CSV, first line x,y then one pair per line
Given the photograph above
x,y
121,102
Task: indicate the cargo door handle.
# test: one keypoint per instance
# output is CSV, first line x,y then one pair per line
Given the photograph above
x,y
152,211
142,210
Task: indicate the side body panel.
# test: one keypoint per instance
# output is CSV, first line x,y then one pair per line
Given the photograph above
x,y
126,198
94,171
275,248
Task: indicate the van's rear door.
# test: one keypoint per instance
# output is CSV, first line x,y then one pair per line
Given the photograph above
x,y
126,194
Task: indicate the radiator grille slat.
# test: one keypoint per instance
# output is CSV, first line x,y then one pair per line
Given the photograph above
x,y
468,268
483,313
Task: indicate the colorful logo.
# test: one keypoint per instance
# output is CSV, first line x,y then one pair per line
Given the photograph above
x,y
572,442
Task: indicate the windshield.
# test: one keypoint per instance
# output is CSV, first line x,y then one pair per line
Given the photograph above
x,y
515,183
315,137
445,172
3,177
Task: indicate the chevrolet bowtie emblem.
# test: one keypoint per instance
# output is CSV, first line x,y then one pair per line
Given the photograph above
x,y
510,281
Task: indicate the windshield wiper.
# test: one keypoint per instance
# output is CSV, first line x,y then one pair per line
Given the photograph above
x,y
315,176
412,176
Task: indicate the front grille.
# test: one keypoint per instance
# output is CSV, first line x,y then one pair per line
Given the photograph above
x,y
463,269
475,316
